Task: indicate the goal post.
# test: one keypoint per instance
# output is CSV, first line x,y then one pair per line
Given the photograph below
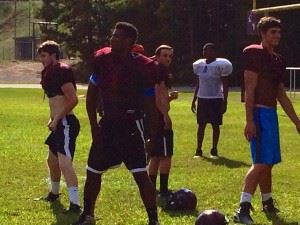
x,y
267,10
253,17
255,14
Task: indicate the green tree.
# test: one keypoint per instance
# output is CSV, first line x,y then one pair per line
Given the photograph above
x,y
184,24
82,27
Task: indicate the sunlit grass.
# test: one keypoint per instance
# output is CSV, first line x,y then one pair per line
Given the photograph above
x,y
217,183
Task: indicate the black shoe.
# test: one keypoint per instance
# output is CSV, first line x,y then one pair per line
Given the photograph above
x,y
153,222
74,208
199,153
243,214
163,198
165,195
214,153
85,220
51,197
268,207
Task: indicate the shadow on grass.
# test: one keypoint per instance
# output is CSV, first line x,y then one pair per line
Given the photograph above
x,y
226,162
62,217
180,213
176,213
276,220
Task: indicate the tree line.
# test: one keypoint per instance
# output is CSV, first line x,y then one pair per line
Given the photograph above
x,y
186,25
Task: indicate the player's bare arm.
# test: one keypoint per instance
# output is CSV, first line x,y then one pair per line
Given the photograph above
x,y
162,103
225,82
61,106
287,106
91,108
193,107
250,85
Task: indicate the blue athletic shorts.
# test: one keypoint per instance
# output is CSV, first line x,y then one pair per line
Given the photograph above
x,y
265,147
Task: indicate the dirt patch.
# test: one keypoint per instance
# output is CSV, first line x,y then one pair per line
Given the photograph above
x,y
20,72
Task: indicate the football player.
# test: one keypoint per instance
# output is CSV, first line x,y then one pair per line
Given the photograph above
x,y
160,145
120,77
211,95
59,85
264,75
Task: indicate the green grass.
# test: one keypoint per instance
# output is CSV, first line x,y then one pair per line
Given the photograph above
x,y
217,183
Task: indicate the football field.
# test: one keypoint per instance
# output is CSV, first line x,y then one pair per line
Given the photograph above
x,y
216,182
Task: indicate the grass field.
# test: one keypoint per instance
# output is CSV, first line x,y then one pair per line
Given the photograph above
x,y
217,183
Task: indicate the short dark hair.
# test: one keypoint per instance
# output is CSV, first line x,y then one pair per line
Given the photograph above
x,y
161,47
210,45
130,30
50,47
267,22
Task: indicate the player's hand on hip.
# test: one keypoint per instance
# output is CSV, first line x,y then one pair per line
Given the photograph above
x,y
52,124
250,130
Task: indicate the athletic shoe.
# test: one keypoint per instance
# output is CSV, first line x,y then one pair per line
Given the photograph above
x,y
85,220
162,198
243,214
74,208
268,207
214,153
198,153
165,195
51,197
153,222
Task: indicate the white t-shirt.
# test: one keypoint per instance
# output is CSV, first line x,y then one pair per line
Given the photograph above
x,y
210,83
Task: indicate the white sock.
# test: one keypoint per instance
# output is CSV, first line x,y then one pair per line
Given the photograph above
x,y
55,187
73,195
245,197
265,196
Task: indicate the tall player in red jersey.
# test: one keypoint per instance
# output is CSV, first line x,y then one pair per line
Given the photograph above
x,y
264,72
120,77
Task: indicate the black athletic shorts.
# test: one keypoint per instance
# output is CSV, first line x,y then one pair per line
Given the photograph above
x,y
160,141
162,144
63,139
119,141
210,111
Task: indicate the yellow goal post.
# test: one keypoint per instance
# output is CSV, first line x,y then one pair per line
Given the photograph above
x,y
280,8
